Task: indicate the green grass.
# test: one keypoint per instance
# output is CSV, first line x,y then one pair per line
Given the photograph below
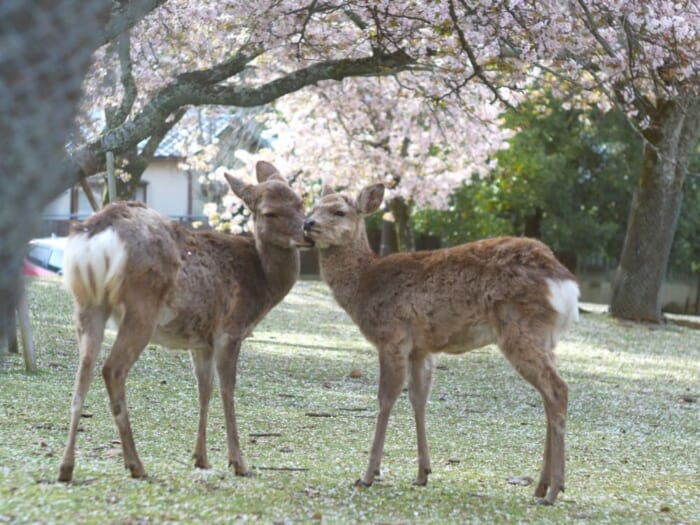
x,y
633,438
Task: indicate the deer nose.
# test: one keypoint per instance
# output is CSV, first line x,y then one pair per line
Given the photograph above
x,y
308,223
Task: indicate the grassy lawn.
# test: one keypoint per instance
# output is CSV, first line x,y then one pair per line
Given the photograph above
x,y
633,436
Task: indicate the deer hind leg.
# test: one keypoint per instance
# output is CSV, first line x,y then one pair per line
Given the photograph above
x,y
420,379
90,329
134,333
203,363
392,375
536,365
226,366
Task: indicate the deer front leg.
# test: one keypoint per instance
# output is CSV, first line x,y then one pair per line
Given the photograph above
x,y
134,334
226,363
420,379
90,328
392,374
203,363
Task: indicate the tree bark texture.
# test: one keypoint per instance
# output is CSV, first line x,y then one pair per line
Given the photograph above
x,y
654,211
47,48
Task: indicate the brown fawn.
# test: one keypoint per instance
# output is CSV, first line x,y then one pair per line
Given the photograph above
x,y
509,291
196,290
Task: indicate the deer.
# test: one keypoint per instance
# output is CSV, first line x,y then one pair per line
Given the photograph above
x,y
510,291
189,289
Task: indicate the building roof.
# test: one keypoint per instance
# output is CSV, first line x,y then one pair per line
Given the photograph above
x,y
199,128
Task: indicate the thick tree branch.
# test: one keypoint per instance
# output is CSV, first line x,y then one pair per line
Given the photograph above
x,y
149,150
377,65
125,15
116,116
222,71
200,88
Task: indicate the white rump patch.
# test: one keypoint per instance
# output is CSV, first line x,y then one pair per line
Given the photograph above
x,y
563,296
102,255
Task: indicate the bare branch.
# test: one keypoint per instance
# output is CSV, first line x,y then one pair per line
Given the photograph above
x,y
117,115
478,69
592,27
125,15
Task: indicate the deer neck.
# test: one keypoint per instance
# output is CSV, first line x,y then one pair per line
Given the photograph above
x,y
342,268
280,266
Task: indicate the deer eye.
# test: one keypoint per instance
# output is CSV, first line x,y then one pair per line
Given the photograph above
x,y
339,213
270,215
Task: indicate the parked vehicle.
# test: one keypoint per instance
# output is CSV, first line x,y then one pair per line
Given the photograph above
x,y
44,256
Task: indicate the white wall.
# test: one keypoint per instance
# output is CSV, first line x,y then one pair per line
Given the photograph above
x,y
59,207
167,187
597,288
166,192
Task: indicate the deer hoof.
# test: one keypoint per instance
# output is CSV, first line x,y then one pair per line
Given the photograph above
x,y
137,471
65,473
541,489
544,502
202,463
362,483
422,479
240,469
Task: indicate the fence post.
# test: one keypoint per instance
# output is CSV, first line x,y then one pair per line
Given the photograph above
x,y
111,181
25,327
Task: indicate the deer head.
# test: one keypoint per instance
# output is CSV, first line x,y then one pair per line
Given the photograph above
x,y
278,213
337,218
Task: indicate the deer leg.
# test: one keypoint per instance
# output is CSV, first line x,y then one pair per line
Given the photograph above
x,y
226,364
546,472
133,336
392,374
537,367
203,363
90,328
420,379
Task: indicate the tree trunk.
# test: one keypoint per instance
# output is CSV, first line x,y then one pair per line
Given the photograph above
x,y
654,212
388,242
126,190
401,210
533,224
40,85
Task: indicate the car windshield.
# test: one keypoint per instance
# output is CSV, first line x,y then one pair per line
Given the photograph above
x,y
55,263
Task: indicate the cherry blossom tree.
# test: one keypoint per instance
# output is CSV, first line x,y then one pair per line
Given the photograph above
x,y
369,130
642,57
639,55
228,53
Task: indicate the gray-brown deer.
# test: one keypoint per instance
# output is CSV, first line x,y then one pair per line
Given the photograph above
x,y
509,291
202,291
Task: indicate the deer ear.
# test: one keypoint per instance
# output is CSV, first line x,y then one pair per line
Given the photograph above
x,y
245,192
370,198
265,170
327,189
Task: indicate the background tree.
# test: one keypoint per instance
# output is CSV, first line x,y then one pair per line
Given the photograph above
x,y
566,177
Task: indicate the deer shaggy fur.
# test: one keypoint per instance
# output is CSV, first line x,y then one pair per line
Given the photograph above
x,y
509,291
160,282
